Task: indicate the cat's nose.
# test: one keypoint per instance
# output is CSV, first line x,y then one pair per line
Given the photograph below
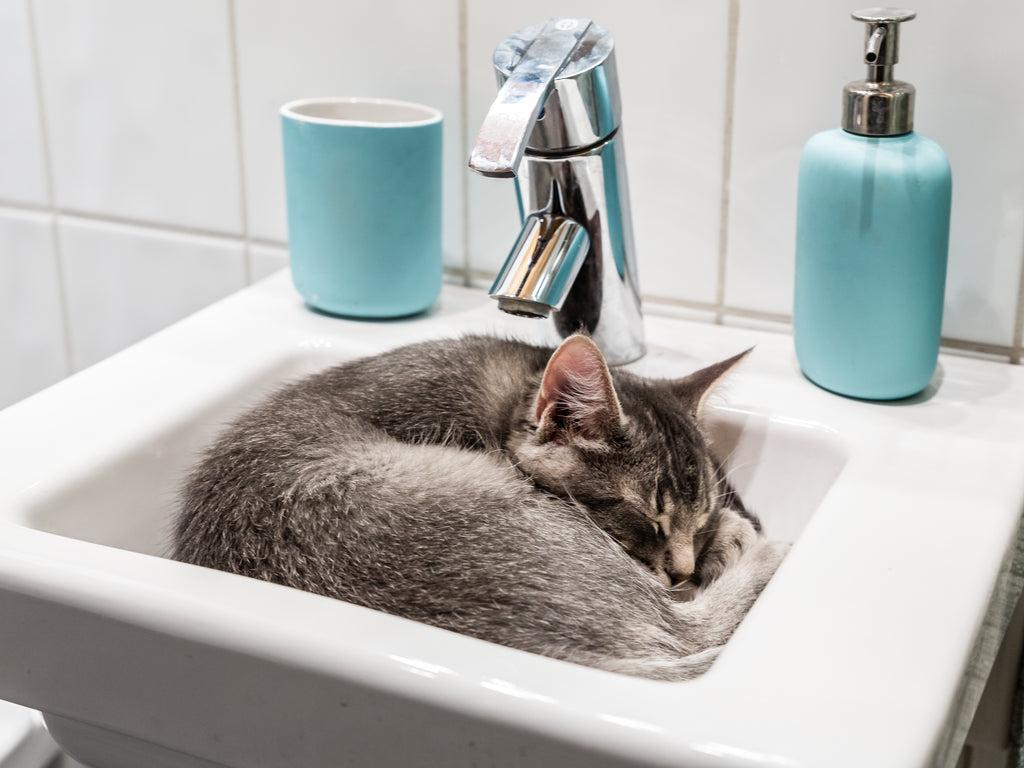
x,y
678,572
679,566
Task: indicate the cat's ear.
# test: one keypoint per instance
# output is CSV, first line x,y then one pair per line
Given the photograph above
x,y
694,389
576,396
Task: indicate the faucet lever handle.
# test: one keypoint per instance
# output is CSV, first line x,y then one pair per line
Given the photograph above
x,y
502,139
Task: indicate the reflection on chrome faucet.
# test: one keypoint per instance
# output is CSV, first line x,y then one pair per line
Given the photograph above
x,y
555,126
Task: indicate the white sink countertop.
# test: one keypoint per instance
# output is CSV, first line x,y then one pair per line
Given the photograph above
x,y
903,515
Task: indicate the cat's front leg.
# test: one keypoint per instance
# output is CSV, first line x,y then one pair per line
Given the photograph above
x,y
724,542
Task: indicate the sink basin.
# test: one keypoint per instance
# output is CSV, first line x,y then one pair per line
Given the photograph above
x,y
902,516
760,451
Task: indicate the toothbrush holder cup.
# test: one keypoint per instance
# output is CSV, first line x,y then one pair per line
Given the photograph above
x,y
363,184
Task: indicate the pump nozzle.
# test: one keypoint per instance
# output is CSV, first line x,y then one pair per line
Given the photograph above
x,y
882,39
874,45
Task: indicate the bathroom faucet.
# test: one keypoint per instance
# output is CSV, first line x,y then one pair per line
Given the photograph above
x,y
555,127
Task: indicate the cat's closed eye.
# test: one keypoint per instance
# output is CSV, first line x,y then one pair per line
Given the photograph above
x,y
605,503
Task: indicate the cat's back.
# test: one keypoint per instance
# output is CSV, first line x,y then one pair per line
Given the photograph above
x,y
454,391
463,390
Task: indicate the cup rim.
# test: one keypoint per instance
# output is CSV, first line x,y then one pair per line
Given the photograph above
x,y
291,110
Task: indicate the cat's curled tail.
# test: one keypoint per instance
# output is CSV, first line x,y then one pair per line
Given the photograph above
x,y
460,540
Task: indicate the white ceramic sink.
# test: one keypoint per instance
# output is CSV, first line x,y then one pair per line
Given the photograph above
x,y
902,517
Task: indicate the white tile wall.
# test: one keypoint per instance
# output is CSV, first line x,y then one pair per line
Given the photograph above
x,y
140,109
966,106
785,93
124,283
31,322
22,162
157,123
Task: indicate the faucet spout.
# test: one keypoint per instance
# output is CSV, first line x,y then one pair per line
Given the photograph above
x,y
542,265
555,127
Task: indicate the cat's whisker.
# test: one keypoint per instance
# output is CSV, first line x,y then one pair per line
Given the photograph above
x,y
733,470
724,462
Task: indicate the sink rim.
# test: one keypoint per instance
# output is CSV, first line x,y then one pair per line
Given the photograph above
x,y
54,568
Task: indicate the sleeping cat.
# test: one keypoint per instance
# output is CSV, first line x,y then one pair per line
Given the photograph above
x,y
523,496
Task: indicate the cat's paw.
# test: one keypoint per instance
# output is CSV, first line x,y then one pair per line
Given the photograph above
x,y
750,573
732,536
763,559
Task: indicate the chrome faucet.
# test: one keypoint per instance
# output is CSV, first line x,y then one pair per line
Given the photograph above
x,y
555,126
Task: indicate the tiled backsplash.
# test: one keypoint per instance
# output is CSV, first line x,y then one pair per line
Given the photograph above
x,y
141,173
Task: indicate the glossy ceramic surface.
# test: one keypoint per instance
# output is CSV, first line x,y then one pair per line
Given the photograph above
x,y
852,656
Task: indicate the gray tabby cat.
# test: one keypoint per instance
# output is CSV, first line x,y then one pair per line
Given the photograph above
x,y
489,487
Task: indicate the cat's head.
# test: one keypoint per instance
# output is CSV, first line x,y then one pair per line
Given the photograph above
x,y
629,450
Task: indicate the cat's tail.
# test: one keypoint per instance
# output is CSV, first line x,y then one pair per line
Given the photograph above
x,y
662,667
702,626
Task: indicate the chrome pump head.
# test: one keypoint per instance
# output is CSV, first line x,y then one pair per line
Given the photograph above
x,y
880,105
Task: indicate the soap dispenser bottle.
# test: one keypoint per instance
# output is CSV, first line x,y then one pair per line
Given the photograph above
x,y
872,236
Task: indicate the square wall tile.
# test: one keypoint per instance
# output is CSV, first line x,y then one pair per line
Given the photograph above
x,y
265,260
125,283
22,159
139,100
672,125
970,104
402,49
32,343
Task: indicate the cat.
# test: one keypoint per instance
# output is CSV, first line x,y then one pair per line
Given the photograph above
x,y
529,497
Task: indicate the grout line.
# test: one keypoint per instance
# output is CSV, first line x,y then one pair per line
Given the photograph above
x,y
751,314
727,129
482,275
979,346
653,300
18,207
1018,328
470,278
758,314
458,273
721,310
127,221
236,95
464,132
706,306
160,226
269,242
44,129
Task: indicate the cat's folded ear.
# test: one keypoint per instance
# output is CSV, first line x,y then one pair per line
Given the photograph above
x,y
694,389
576,396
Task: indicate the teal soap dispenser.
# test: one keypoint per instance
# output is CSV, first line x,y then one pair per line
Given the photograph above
x,y
872,236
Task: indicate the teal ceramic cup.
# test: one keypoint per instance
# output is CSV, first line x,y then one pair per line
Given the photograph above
x,y
363,182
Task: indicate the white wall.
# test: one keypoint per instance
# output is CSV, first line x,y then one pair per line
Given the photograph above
x,y
141,174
